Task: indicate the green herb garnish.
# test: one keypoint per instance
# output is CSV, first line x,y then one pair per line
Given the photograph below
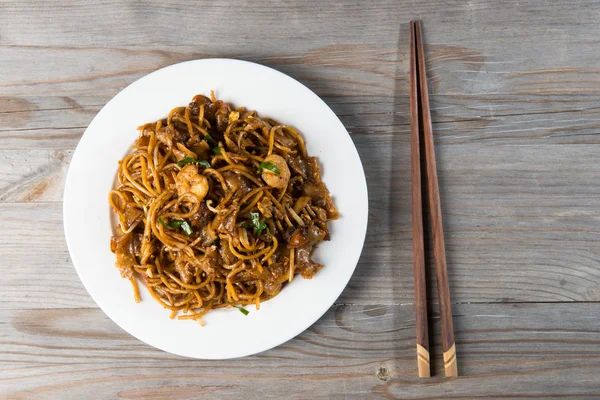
x,y
216,150
242,310
186,160
270,166
205,164
210,140
257,226
186,228
189,160
177,223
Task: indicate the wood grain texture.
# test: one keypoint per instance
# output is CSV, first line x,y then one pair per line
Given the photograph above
x,y
33,175
515,104
464,121
352,352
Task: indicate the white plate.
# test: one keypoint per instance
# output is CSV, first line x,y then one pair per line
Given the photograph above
x,y
87,217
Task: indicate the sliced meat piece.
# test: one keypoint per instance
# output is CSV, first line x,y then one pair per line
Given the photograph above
x,y
279,271
316,190
304,264
165,137
202,150
211,261
254,123
297,164
122,246
184,269
299,237
285,140
180,132
194,107
210,111
271,288
237,181
313,171
132,214
228,257
202,217
222,117
227,225
321,214
315,234
207,236
320,196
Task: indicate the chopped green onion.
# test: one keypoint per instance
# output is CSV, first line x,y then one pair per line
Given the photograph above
x,y
210,140
186,228
257,226
205,164
216,150
189,160
169,225
255,219
270,166
177,223
186,160
242,310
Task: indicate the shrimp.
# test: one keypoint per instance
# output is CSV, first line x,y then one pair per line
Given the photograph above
x,y
190,181
273,179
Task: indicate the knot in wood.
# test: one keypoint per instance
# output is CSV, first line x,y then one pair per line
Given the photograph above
x,y
383,374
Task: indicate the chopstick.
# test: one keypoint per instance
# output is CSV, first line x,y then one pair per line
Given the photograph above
x,y
420,119
423,365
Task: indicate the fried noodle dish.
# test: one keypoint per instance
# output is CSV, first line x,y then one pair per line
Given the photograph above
x,y
217,207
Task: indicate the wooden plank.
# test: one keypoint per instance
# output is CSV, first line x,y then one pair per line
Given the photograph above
x,y
57,123
516,230
508,351
164,31
366,68
507,219
378,70
35,259
56,22
33,175
36,122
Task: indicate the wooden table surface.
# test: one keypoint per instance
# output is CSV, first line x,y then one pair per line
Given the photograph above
x,y
515,91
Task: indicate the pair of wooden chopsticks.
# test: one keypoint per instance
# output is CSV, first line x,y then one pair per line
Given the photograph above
x,y
420,120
